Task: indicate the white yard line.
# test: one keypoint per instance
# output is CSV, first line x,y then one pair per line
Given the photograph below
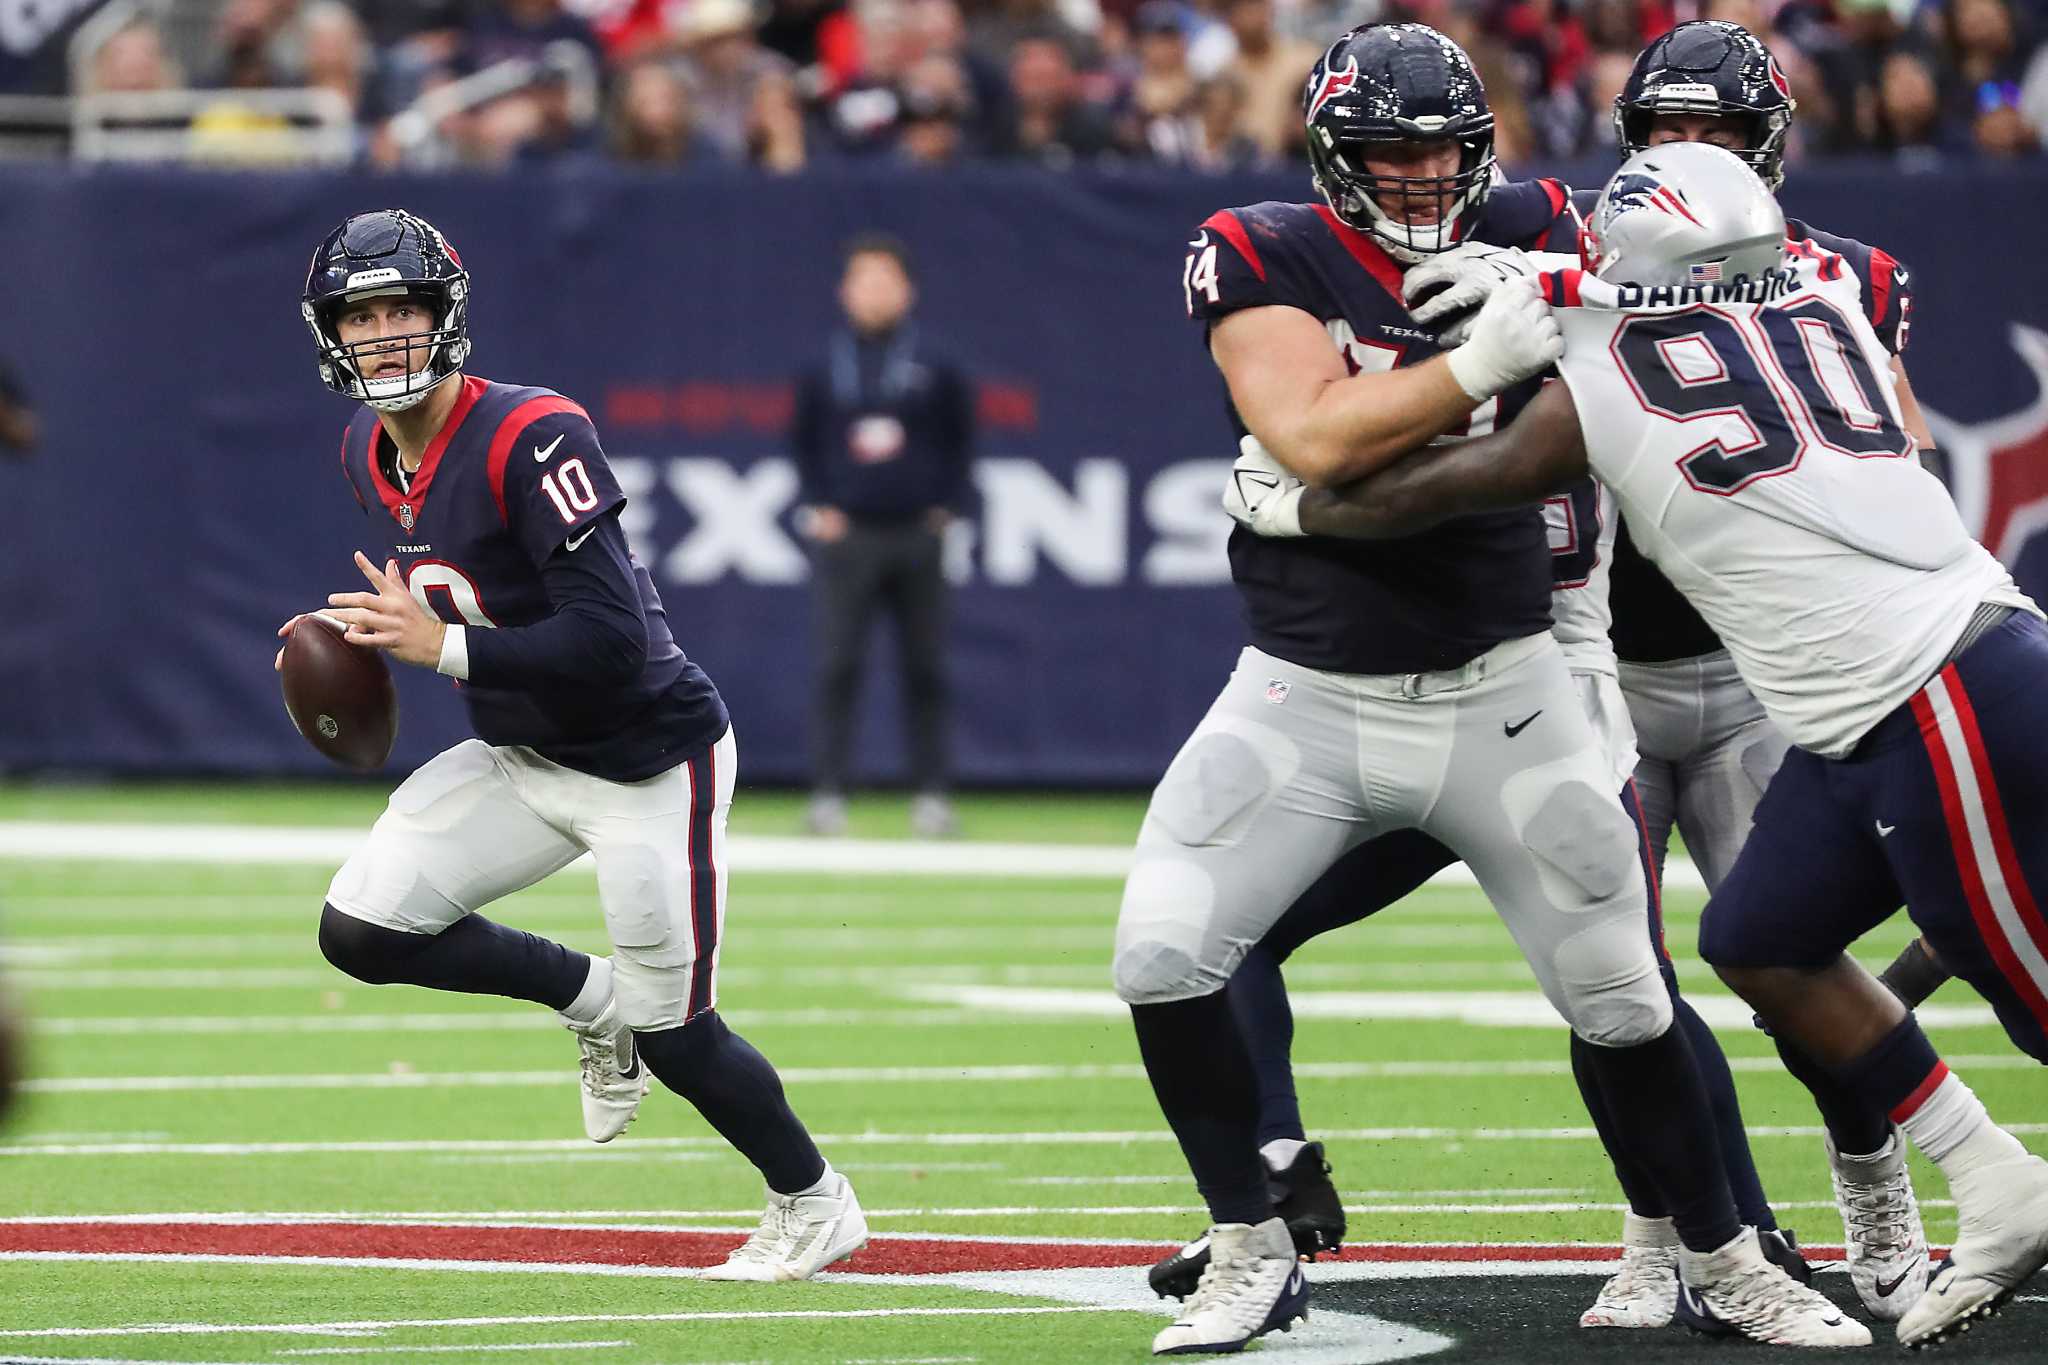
x,y
1116,1138
328,847
1485,1009
447,1350
372,1326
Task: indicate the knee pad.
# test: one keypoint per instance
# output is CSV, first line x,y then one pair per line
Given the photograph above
x,y
368,952
1584,835
1162,935
1614,994
654,992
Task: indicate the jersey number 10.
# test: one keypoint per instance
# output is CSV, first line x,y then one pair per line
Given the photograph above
x,y
568,487
1797,378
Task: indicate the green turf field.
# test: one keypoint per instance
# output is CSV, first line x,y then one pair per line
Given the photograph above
x,y
951,1040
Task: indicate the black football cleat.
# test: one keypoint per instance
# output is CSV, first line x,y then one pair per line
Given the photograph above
x,y
1305,1199
1781,1249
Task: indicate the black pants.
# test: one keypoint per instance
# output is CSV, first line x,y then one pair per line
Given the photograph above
x,y
897,569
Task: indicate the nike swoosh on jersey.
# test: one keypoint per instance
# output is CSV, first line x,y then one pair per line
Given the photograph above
x,y
573,541
541,456
1884,830
1516,729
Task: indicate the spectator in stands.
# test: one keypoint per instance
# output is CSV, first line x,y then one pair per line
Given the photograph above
x,y
937,103
1909,109
996,27
336,56
726,64
1221,143
1999,128
1271,69
1051,121
133,60
2033,101
776,136
249,37
19,430
1159,118
1986,47
884,429
652,124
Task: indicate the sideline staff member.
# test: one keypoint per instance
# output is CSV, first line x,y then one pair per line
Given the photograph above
x,y
884,429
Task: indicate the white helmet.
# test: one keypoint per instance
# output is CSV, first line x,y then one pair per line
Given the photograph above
x,y
1684,213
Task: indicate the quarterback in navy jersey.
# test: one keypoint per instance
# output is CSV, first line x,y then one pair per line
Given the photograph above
x,y
1391,689
507,570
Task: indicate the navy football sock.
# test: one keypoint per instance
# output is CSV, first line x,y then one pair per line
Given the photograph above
x,y
1203,1079
1733,1139
1636,1185
1888,1074
1258,997
1854,1124
1658,1104
473,955
737,1091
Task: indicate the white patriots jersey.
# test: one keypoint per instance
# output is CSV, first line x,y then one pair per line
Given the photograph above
x,y
1752,439
1580,525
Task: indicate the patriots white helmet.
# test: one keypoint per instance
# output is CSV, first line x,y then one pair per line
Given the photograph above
x,y
1684,213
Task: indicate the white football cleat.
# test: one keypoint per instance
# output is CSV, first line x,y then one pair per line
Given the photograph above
x,y
614,1081
1881,1231
2003,1239
1253,1286
799,1236
1734,1291
1644,1292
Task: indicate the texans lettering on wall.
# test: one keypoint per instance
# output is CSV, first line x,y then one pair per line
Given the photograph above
x,y
1998,470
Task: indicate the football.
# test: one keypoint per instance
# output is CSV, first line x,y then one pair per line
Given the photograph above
x,y
339,696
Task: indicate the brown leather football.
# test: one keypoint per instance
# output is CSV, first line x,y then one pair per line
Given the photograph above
x,y
339,695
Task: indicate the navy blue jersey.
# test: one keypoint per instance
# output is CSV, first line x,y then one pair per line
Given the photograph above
x,y
1653,623
1421,603
514,475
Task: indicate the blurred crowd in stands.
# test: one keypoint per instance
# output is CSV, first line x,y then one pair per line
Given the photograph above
x,y
1213,84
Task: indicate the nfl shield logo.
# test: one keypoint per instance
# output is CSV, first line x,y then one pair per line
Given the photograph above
x,y
1276,690
405,515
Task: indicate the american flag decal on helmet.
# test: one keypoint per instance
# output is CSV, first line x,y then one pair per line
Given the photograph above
x,y
1703,272
1334,83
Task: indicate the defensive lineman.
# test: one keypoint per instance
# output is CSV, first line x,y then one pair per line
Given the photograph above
x,y
1742,426
508,571
1387,690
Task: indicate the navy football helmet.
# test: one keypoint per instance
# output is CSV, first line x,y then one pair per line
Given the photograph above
x,y
1399,83
1710,66
389,252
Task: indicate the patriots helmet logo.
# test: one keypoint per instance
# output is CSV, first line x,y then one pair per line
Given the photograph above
x,y
1334,83
1637,191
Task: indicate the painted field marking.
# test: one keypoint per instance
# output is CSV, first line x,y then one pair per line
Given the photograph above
x,y
521,1021
330,846
1072,1138
367,1327
446,1350
1487,1009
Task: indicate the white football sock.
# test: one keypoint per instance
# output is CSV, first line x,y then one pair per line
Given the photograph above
x,y
1952,1130
596,992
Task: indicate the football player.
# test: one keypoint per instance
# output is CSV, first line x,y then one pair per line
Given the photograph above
x,y
507,571
1707,746
1730,396
1406,687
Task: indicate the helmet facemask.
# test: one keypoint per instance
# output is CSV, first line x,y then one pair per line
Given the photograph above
x,y
1448,201
445,346
1763,141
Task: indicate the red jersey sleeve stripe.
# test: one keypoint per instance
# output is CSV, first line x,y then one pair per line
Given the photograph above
x,y
1882,268
517,421
1226,226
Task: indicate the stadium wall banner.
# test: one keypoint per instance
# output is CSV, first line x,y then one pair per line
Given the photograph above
x,y
187,497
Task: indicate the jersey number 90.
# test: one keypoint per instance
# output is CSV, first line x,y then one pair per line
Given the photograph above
x,y
1803,383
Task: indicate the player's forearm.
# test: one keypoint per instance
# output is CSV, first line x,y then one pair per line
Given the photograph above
x,y
1358,426
596,635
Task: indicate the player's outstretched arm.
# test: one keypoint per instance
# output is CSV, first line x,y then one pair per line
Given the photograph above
x,y
1327,427
1540,453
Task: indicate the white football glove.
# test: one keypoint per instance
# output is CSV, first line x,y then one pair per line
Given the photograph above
x,y
1471,271
1260,495
1515,337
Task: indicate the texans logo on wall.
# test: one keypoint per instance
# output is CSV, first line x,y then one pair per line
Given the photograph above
x,y
1998,471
